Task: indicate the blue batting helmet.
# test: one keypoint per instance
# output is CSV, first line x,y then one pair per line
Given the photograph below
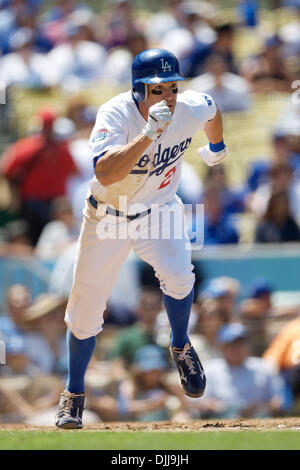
x,y
153,66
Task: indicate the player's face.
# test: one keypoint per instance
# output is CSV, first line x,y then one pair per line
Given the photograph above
x,y
162,91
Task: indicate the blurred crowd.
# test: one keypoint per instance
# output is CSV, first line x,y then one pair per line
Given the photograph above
x,y
70,46
249,345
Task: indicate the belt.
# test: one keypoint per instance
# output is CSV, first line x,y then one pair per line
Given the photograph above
x,y
117,213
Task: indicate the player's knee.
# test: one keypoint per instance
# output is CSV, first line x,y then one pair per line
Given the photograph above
x,y
81,331
179,286
181,274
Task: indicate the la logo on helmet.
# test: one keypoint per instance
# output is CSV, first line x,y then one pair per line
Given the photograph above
x,y
165,66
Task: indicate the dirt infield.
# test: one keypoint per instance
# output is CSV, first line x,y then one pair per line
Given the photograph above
x,y
285,424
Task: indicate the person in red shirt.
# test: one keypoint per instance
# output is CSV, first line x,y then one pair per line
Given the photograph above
x,y
40,165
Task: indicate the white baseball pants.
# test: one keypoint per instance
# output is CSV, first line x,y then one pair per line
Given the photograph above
x,y
162,243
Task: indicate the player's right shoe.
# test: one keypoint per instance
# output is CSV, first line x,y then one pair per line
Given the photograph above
x,y
192,376
70,409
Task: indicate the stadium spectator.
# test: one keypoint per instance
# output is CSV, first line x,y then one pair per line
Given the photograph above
x,y
284,355
281,149
60,232
46,334
32,164
144,394
167,19
193,28
232,198
190,190
39,326
224,291
281,179
259,301
25,67
248,11
143,332
268,71
78,62
83,116
209,320
290,36
288,126
258,173
117,69
25,396
238,385
91,25
277,225
17,360
54,21
15,240
218,228
198,18
14,407
255,310
29,19
7,26
25,399
259,312
145,397
284,351
17,14
120,24
8,204
61,9
18,298
230,92
193,63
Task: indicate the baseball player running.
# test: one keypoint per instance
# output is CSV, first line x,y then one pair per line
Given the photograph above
x,y
138,142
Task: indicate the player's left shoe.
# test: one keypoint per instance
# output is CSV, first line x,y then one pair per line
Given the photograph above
x,y
70,409
192,376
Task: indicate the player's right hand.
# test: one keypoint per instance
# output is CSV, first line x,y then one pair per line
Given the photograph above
x,y
159,117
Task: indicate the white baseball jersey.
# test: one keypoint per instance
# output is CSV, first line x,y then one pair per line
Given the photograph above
x,y
153,180
155,177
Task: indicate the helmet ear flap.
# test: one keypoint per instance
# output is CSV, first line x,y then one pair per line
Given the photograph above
x,y
140,91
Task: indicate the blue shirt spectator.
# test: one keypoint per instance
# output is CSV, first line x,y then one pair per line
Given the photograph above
x,y
218,227
220,233
277,225
258,174
193,64
248,11
239,385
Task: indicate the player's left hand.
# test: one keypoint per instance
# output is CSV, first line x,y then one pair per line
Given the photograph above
x,y
211,158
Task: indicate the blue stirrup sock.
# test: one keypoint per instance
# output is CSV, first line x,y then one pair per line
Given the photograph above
x,y
80,353
178,311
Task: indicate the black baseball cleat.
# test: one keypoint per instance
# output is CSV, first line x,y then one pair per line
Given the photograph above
x,y
192,376
70,409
